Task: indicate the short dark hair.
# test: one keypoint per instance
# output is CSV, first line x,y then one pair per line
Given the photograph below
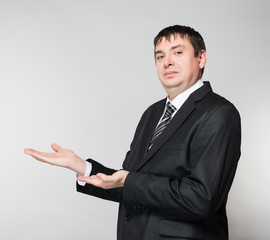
x,y
193,36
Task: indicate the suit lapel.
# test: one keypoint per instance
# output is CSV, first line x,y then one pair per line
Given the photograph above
x,y
181,115
150,127
147,127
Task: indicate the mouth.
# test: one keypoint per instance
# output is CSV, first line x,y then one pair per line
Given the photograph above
x,y
170,73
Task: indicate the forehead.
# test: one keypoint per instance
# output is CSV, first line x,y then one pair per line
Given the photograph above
x,y
173,41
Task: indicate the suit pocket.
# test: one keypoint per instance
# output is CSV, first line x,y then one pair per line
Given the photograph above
x,y
181,229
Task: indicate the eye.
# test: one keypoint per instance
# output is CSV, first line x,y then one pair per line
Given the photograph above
x,y
178,53
159,57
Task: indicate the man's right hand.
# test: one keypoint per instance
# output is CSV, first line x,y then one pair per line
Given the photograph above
x,y
62,157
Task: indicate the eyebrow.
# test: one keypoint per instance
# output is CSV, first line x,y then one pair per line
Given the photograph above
x,y
172,48
177,46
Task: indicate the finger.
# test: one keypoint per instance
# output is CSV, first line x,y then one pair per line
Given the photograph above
x,y
31,152
93,180
36,154
56,147
28,151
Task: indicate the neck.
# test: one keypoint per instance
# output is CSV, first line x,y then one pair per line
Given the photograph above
x,y
185,91
174,92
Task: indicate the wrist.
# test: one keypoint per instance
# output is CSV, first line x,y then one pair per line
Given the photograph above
x,y
78,165
125,173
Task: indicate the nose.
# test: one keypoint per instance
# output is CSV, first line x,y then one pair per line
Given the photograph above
x,y
168,62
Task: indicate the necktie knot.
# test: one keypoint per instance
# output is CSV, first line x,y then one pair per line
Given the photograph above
x,y
170,109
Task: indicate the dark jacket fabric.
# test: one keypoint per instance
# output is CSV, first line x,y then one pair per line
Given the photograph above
x,y
179,188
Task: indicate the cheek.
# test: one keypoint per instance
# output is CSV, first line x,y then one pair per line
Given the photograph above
x,y
194,65
187,68
159,71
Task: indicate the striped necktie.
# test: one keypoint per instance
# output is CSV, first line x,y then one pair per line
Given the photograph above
x,y
163,122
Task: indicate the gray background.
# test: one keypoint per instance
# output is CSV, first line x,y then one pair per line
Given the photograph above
x,y
67,71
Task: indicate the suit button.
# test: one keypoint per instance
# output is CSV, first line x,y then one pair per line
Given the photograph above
x,y
140,209
128,218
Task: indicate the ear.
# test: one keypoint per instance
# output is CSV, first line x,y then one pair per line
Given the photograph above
x,y
202,59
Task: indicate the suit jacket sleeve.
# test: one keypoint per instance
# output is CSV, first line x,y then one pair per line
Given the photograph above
x,y
213,154
109,194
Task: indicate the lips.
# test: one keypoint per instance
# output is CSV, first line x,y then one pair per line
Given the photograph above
x,y
170,73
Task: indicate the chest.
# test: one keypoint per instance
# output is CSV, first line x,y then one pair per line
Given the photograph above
x,y
173,156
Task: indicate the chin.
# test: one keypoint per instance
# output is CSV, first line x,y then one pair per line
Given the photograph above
x,y
172,84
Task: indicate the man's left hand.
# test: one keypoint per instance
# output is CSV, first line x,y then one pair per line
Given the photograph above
x,y
106,181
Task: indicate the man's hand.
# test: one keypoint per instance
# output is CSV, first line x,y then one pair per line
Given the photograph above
x,y
106,181
62,157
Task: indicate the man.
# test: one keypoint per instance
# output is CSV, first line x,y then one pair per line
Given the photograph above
x,y
182,160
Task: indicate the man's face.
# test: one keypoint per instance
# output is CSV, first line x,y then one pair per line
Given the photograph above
x,y
177,67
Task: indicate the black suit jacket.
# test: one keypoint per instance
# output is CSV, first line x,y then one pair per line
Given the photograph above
x,y
179,188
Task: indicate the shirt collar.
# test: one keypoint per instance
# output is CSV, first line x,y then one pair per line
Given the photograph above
x,y
179,100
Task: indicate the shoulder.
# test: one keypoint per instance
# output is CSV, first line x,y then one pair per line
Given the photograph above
x,y
214,100
157,104
154,107
218,107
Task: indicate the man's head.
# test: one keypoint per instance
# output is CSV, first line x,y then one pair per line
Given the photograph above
x,y
180,58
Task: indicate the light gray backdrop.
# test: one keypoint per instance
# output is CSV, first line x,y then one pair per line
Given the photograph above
x,y
67,71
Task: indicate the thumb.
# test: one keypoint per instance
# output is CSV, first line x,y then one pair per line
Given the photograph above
x,y
102,176
56,147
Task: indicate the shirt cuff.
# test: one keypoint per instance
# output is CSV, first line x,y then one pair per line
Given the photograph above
x,y
87,173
